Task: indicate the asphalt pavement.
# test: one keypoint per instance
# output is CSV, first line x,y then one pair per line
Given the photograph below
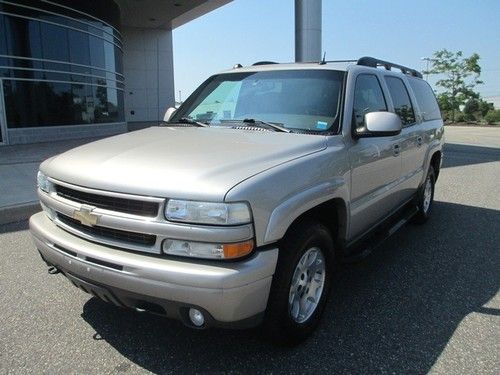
x,y
426,301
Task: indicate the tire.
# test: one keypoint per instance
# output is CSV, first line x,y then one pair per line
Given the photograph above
x,y
425,198
308,241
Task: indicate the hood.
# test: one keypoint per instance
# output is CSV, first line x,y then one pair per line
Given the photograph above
x,y
178,162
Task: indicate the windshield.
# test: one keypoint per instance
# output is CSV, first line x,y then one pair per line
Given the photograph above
x,y
294,99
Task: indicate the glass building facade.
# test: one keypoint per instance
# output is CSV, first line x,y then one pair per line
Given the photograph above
x,y
60,65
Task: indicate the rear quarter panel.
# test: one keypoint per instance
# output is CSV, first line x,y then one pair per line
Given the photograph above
x,y
433,135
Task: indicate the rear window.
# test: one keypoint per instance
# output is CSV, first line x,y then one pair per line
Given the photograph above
x,y
425,99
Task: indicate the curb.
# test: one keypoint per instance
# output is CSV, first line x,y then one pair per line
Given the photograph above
x,y
18,212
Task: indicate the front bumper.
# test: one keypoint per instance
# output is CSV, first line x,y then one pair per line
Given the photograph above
x,y
232,293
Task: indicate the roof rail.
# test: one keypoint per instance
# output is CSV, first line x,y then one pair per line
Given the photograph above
x,y
338,61
373,62
264,63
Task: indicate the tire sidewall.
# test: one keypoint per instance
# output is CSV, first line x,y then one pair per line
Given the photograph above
x,y
422,216
430,175
302,238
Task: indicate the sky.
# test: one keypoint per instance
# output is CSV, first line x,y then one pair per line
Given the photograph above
x,y
246,31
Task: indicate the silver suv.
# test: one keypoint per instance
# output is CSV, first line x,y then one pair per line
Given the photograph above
x,y
237,208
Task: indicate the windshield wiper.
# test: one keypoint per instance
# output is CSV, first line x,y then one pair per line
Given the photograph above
x,y
265,124
187,120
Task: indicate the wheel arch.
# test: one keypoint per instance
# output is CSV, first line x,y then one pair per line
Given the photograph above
x,y
317,201
332,214
436,163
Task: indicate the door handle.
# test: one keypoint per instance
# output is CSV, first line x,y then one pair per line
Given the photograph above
x,y
419,141
395,150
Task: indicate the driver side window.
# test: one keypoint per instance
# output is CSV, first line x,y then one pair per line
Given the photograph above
x,y
368,97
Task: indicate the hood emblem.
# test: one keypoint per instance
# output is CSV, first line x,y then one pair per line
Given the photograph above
x,y
85,216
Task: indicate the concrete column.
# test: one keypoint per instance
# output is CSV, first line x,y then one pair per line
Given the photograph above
x,y
148,68
307,30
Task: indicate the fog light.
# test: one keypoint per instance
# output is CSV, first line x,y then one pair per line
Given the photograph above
x,y
196,317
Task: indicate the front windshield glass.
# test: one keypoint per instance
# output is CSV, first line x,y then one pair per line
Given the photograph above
x,y
293,99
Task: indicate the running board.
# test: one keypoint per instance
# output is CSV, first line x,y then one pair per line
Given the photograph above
x,y
364,247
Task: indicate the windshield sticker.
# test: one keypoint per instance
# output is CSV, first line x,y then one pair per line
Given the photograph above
x,y
321,125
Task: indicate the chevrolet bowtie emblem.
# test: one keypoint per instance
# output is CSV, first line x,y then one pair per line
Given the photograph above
x,y
85,216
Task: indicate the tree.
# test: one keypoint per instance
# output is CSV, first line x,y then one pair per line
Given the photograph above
x,y
485,107
471,109
476,108
460,77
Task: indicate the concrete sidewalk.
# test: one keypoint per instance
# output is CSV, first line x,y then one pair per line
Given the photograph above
x,y
470,135
18,168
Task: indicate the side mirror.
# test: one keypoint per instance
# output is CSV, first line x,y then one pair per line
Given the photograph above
x,y
169,114
380,124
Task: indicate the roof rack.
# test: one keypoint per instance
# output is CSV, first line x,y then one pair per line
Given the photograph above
x,y
264,63
373,62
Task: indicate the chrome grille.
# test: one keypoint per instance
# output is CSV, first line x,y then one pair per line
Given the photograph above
x,y
109,233
124,205
119,229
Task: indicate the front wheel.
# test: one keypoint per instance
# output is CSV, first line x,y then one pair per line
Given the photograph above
x,y
301,283
425,198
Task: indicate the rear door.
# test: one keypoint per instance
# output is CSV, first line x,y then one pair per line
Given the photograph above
x,y
375,162
429,117
411,136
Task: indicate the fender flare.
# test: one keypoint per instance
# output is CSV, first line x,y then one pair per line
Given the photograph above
x,y
437,146
288,211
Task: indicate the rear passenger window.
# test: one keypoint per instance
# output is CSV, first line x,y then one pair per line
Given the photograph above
x,y
401,100
426,99
368,97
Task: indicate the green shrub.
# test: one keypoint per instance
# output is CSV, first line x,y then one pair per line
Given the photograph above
x,y
470,117
492,116
446,115
460,117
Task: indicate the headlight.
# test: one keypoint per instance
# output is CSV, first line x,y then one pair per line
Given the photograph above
x,y
207,250
208,213
43,182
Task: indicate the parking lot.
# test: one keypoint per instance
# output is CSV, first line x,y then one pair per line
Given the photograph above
x,y
427,300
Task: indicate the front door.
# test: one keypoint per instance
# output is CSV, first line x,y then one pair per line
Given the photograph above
x,y
375,162
3,124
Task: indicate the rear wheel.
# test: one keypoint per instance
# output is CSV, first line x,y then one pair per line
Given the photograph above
x,y
301,283
425,198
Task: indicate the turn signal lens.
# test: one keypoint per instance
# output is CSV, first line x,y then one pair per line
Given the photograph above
x,y
237,250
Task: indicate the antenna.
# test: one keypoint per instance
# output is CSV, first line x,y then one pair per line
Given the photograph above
x,y
323,61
